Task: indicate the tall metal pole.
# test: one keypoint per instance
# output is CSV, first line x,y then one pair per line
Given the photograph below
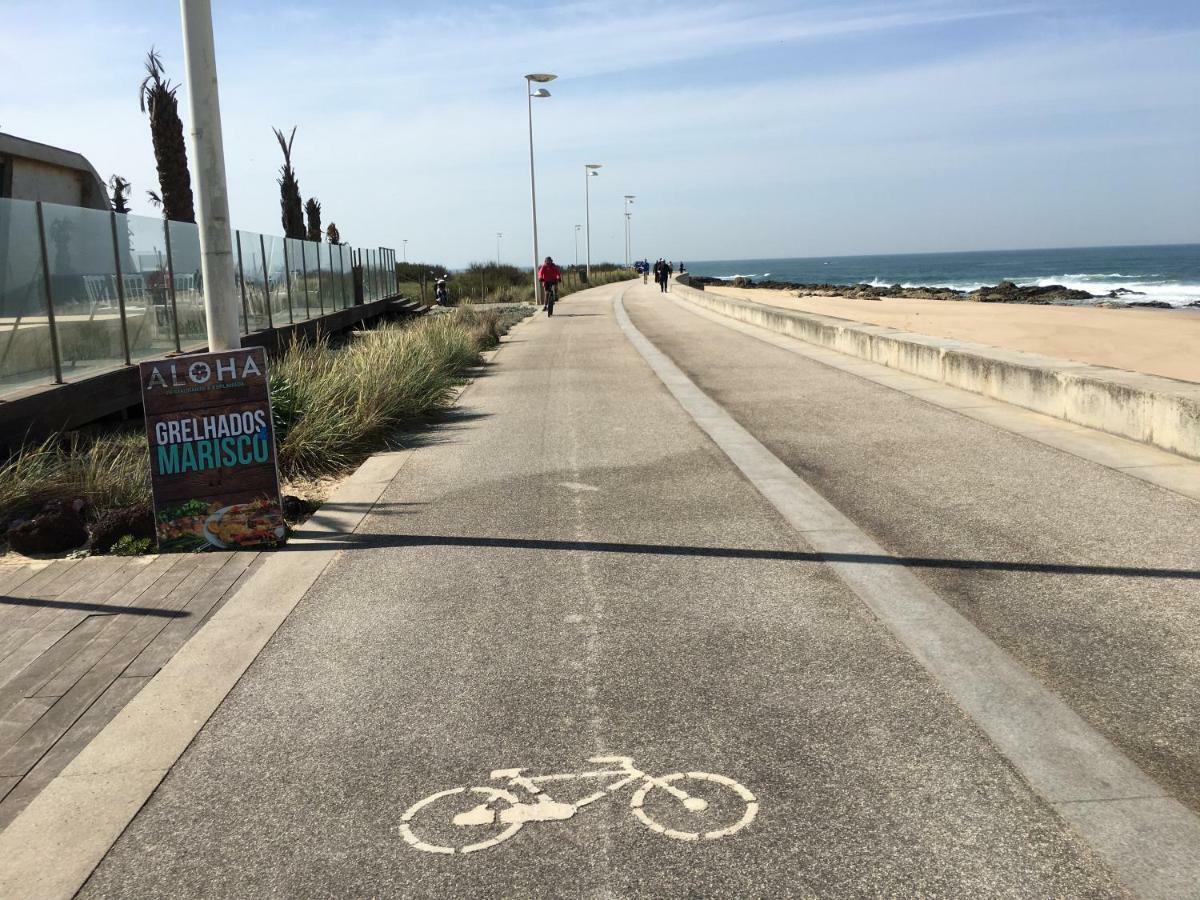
x,y
216,243
629,198
498,236
587,217
405,240
537,299
577,227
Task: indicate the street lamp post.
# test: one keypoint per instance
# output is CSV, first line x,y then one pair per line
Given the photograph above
x,y
577,227
628,222
216,240
405,248
540,78
629,198
589,169
498,236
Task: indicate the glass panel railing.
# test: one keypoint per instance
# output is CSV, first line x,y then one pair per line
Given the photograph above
x,y
150,316
370,292
83,284
360,258
328,301
26,357
345,276
332,260
322,264
252,289
188,283
296,272
305,296
277,282
123,288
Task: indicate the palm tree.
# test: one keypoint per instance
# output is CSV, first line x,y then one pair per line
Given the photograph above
x,y
332,234
289,190
313,210
120,190
156,96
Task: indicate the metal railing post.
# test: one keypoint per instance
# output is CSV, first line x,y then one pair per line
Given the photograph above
x,y
120,289
362,268
287,276
242,282
304,271
55,355
262,248
333,293
348,301
320,287
171,286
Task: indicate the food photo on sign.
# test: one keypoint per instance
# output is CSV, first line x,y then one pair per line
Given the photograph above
x,y
212,452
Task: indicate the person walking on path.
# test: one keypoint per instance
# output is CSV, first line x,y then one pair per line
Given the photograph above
x,y
549,275
661,273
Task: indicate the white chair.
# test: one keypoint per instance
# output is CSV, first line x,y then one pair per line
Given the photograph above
x,y
100,293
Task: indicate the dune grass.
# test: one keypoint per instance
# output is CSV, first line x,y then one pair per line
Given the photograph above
x,y
107,470
334,405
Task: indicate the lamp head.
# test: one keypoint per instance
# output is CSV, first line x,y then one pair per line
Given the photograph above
x,y
540,92
593,165
540,77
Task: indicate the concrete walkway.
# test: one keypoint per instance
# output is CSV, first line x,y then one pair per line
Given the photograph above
x,y
584,564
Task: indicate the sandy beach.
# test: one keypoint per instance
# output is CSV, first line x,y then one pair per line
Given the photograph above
x,y
1156,341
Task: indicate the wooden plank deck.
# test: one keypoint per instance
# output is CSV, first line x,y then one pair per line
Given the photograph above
x,y
79,638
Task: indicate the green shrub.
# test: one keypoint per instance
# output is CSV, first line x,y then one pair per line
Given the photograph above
x,y
128,545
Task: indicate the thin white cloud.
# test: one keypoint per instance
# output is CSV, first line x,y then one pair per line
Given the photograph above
x,y
413,124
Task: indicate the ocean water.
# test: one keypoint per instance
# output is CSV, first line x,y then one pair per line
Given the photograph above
x,y
1169,273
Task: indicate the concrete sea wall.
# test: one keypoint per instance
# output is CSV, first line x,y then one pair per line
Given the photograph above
x,y
1154,410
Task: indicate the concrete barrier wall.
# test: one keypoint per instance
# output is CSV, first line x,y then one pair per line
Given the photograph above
x,y
1147,408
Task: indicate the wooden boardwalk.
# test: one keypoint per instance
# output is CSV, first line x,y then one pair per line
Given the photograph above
x,y
79,638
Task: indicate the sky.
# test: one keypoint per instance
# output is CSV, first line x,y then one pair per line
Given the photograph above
x,y
745,129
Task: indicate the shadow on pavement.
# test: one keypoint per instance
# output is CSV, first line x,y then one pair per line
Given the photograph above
x,y
94,607
376,541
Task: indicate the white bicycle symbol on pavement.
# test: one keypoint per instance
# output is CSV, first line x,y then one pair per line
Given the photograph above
x,y
501,814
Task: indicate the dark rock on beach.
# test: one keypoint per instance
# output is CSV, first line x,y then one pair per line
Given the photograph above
x,y
57,528
1008,292
1004,292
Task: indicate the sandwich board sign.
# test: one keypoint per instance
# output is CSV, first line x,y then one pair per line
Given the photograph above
x,y
212,451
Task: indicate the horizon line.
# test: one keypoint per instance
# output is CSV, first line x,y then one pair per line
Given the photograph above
x,y
953,252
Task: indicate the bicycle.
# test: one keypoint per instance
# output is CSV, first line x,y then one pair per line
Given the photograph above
x,y
551,289
505,813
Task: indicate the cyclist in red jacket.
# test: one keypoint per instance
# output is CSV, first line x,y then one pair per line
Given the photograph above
x,y
549,275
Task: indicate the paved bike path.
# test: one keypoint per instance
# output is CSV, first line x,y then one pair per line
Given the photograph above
x,y
1085,575
573,569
